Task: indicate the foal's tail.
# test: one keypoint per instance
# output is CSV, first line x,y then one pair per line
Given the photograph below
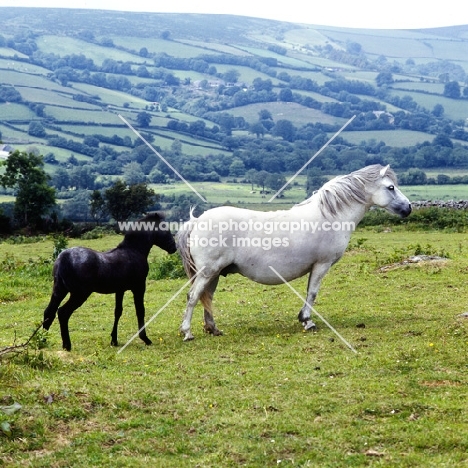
x,y
183,246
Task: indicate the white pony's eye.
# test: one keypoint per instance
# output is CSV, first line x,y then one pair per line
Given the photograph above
x,y
391,187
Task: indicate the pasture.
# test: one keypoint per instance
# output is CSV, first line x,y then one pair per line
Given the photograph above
x,y
396,138
66,45
264,394
240,194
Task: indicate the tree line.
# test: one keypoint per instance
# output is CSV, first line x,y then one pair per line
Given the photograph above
x,y
35,205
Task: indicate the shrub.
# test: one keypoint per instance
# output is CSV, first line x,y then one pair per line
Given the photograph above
x,y
167,267
421,219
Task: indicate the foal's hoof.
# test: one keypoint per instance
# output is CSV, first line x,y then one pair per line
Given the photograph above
x,y
114,343
147,341
309,326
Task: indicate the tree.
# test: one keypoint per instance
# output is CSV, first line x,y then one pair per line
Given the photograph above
x,y
82,177
97,206
250,177
77,208
443,140
144,119
438,110
265,114
384,78
231,75
36,129
133,173
176,147
237,168
314,182
257,129
353,48
260,178
275,181
124,201
61,178
286,95
285,129
452,90
34,196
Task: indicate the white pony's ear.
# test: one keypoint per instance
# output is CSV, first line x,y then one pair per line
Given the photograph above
x,y
384,170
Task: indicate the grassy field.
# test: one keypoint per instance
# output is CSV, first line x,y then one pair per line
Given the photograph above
x,y
236,193
297,114
68,45
436,192
397,138
453,108
265,393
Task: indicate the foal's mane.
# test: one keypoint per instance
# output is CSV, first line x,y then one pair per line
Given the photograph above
x,y
342,191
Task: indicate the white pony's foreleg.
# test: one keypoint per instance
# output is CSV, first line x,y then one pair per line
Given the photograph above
x,y
319,270
198,287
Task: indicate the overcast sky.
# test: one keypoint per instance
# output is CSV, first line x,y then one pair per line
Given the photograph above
x,y
371,14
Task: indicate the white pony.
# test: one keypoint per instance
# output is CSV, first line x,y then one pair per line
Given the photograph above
x,y
276,246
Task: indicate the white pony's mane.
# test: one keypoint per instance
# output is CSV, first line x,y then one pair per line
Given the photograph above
x,y
340,192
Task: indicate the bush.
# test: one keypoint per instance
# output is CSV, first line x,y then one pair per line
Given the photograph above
x,y
167,267
96,233
60,243
422,219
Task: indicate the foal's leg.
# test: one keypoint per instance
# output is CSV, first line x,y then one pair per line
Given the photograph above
x,y
317,273
139,301
117,314
198,287
210,326
75,300
58,295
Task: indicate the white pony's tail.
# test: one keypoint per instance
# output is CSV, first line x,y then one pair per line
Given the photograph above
x,y
183,245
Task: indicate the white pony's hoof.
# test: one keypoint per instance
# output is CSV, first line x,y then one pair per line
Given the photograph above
x,y
188,337
309,326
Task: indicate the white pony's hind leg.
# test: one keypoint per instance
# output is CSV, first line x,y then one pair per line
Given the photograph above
x,y
210,325
198,287
315,278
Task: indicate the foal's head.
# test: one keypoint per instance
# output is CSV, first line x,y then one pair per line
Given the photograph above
x,y
154,230
161,236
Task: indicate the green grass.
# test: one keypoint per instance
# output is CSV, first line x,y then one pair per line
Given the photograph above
x,y
265,393
23,77
235,193
297,114
156,45
397,138
453,108
436,192
62,45
16,111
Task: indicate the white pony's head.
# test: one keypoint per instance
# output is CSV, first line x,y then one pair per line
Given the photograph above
x,y
371,185
387,195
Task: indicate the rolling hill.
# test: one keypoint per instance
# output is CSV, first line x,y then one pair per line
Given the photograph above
x,y
67,75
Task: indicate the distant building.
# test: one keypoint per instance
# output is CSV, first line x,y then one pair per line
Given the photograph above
x,y
5,151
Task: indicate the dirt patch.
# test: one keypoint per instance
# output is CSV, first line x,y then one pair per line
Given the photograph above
x,y
417,260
